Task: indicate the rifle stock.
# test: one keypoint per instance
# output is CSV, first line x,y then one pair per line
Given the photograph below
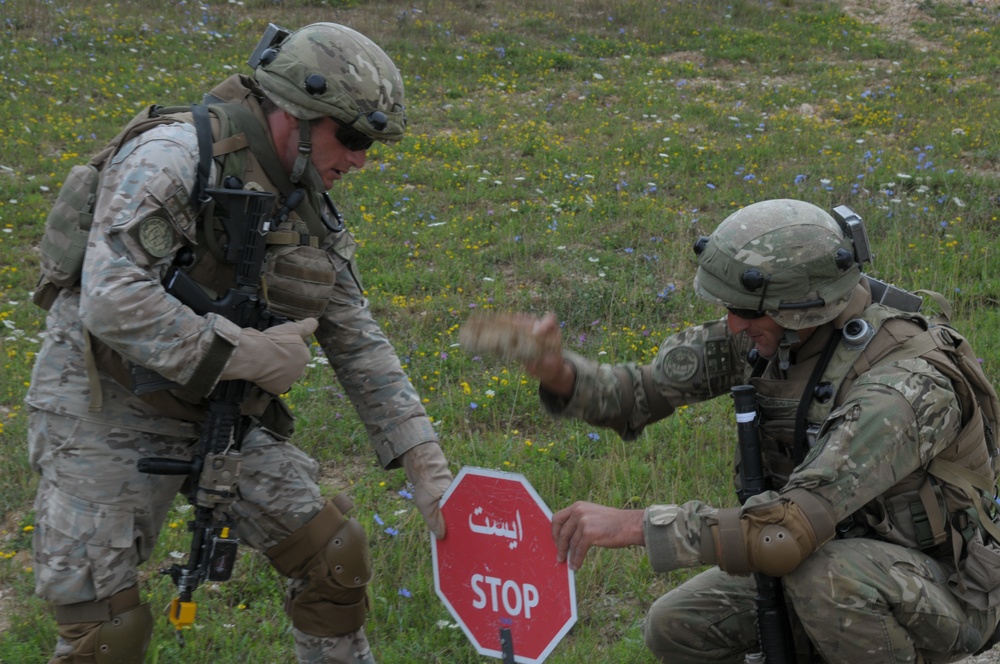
x,y
773,628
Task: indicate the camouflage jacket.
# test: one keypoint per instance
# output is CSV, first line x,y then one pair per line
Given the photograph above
x,y
892,421
142,218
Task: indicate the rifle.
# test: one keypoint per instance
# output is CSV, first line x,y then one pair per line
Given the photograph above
x,y
773,629
214,470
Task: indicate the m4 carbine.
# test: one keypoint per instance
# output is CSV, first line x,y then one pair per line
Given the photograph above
x,y
214,471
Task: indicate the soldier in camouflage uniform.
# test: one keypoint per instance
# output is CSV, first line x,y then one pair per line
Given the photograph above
x,y
318,99
883,558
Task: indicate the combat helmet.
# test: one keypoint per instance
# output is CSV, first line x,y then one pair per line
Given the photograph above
x,y
330,70
784,258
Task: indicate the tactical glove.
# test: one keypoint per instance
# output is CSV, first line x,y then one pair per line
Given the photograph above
x,y
427,470
273,359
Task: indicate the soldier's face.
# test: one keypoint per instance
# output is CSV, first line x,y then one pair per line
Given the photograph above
x,y
332,158
764,331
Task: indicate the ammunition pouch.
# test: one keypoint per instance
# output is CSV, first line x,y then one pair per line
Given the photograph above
x,y
913,514
298,280
977,581
270,413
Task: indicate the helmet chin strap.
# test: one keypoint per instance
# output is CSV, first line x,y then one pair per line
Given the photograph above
x,y
305,151
303,171
788,339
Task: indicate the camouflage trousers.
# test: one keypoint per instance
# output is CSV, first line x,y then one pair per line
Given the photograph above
x,y
98,517
852,601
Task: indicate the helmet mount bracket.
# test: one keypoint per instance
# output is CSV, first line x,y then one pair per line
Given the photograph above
x,y
273,35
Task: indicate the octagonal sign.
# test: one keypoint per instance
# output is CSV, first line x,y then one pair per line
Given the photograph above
x,y
496,568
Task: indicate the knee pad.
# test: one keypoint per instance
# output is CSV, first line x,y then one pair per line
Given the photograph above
x,y
120,635
330,555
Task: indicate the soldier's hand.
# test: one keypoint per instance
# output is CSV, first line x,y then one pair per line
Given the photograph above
x,y
511,336
273,359
427,470
554,373
584,525
535,342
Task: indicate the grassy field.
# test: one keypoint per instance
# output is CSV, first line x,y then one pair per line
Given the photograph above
x,y
563,156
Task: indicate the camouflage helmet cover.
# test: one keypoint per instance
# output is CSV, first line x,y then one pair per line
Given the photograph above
x,y
330,70
787,258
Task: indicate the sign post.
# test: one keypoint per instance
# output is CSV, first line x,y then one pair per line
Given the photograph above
x,y
496,569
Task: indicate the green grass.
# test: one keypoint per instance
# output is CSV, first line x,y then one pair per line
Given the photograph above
x,y
562,156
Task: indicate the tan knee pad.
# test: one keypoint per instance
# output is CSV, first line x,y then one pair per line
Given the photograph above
x,y
116,630
330,553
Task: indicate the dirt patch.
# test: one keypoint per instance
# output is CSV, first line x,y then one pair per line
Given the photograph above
x,y
896,17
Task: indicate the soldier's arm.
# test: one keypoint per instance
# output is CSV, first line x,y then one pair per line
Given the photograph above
x,y
894,419
142,217
368,367
694,365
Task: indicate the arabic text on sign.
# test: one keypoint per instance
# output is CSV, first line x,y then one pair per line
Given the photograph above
x,y
512,530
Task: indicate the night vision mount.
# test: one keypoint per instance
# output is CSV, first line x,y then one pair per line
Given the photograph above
x,y
272,36
854,229
882,292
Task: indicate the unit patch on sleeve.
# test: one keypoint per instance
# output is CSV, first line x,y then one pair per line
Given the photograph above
x,y
157,237
681,364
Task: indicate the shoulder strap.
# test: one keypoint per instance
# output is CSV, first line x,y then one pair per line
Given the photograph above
x,y
800,445
146,119
243,118
203,127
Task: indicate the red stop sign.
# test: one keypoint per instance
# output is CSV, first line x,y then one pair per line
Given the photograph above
x,y
496,568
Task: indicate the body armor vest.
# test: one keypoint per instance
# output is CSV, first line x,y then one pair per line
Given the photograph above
x,y
304,251
918,511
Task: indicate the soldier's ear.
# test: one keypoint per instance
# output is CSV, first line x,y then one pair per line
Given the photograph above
x,y
284,128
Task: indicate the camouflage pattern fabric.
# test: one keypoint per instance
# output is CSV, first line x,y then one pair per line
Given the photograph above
x,y
694,365
98,517
122,278
351,648
102,521
894,420
858,600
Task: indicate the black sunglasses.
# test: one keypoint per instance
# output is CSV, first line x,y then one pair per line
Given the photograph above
x,y
747,314
352,139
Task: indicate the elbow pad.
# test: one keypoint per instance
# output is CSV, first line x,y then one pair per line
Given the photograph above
x,y
772,538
